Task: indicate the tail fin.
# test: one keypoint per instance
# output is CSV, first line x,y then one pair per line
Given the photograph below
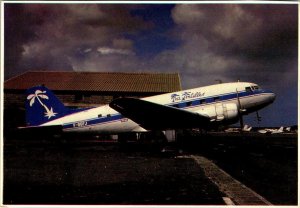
x,y
42,106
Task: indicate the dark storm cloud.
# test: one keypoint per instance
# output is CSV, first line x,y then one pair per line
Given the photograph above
x,y
235,29
221,41
65,37
243,38
275,35
256,43
18,30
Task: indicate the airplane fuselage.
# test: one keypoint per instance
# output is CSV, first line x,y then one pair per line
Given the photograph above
x,y
222,103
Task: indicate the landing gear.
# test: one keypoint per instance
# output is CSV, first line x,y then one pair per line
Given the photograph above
x,y
152,140
258,118
153,137
127,137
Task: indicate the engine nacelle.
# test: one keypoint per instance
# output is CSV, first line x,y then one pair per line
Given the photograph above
x,y
220,111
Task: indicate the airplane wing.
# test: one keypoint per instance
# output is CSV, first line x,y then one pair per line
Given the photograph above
x,y
153,116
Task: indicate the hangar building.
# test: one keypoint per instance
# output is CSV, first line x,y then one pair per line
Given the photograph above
x,y
84,89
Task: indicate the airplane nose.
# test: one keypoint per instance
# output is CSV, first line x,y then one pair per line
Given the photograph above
x,y
272,97
269,96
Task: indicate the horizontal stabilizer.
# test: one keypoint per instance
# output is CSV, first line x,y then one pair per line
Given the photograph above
x,y
42,130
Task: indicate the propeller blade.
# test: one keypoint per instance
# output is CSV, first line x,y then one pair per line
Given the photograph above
x,y
238,99
240,110
241,121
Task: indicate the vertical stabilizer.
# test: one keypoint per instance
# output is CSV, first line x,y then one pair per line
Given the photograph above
x,y
42,106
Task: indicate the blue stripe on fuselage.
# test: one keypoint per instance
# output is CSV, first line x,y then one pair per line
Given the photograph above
x,y
92,122
222,97
183,104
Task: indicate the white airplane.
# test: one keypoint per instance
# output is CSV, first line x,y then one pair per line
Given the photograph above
x,y
246,128
203,107
271,131
288,129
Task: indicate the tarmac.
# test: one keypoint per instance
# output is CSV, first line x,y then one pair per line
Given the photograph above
x,y
214,169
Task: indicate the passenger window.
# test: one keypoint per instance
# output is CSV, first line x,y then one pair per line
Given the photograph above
x,y
216,99
108,115
189,103
100,115
202,101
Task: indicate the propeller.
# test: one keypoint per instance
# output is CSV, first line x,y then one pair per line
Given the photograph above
x,y
240,110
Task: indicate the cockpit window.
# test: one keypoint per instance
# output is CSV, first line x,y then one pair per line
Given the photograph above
x,y
255,87
252,88
248,89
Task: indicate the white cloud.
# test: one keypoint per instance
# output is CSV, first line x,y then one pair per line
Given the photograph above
x,y
87,50
187,14
110,51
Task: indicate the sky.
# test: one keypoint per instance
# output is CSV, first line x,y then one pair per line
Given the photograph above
x,y
202,42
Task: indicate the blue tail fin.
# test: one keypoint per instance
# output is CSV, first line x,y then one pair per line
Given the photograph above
x,y
42,106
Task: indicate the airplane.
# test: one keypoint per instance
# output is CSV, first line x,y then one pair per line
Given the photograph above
x,y
246,128
271,131
204,108
288,129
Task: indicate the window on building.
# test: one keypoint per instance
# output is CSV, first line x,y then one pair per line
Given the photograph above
x,y
82,97
79,97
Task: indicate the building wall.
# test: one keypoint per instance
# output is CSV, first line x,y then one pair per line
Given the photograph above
x,y
14,99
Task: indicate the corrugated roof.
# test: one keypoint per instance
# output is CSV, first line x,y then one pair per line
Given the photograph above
x,y
97,81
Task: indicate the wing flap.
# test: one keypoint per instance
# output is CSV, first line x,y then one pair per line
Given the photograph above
x,y
156,116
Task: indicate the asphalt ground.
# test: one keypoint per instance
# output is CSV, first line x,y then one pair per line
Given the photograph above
x,y
102,173
85,171
268,164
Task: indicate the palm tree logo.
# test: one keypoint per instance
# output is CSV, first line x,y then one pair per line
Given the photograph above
x,y
41,94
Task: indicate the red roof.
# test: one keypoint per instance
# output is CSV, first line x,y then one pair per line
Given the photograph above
x,y
97,81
